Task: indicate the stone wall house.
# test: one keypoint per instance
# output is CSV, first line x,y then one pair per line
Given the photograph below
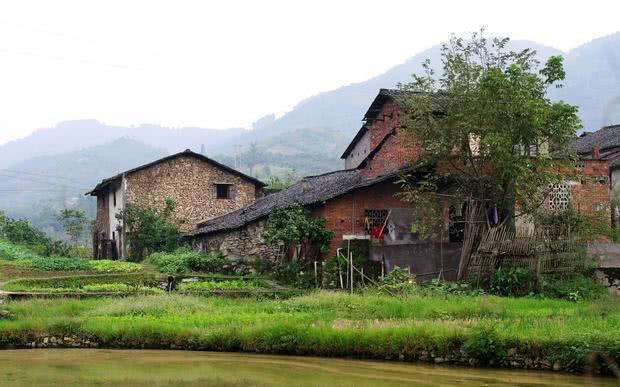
x,y
364,197
201,187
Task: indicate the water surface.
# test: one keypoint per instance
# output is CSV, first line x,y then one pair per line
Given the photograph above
x,y
97,367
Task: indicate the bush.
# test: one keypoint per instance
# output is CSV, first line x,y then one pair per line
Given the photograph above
x,y
573,288
512,281
207,286
398,282
485,346
457,288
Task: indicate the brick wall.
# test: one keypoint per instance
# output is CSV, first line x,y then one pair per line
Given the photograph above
x,y
190,182
345,214
591,194
397,148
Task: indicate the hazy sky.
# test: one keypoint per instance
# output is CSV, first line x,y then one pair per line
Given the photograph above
x,y
225,63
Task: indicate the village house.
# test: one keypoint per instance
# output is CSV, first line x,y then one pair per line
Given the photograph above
x,y
364,196
201,187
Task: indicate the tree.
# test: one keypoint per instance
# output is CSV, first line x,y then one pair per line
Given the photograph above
x,y
295,226
487,126
74,223
150,230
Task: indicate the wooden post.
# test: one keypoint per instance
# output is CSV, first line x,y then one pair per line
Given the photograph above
x,y
351,266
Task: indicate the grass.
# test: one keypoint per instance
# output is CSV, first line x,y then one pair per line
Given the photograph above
x,y
16,255
334,324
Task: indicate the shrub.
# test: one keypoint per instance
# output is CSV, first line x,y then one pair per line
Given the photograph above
x,y
150,230
458,288
207,286
485,346
573,288
398,282
512,281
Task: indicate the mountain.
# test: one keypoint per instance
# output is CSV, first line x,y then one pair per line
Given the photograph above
x,y
71,136
39,187
593,82
342,109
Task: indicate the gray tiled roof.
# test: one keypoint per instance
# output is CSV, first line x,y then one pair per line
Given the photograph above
x,y
310,190
188,153
604,138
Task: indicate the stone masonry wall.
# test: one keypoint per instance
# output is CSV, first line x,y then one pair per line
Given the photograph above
x,y
243,243
190,182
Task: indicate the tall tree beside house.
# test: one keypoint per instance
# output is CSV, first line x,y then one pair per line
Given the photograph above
x,y
74,222
487,125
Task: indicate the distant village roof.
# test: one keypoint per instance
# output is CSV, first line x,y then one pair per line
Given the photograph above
x,y
310,190
604,138
107,182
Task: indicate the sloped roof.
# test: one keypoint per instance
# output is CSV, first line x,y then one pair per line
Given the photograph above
x,y
605,138
186,153
310,190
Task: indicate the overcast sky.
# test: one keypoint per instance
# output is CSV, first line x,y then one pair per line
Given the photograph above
x,y
219,64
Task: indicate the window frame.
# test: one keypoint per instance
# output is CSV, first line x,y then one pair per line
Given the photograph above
x,y
228,187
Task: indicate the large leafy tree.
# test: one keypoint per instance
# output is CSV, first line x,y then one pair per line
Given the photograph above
x,y
485,124
487,118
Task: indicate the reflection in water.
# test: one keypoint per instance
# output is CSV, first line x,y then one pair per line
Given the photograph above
x,y
83,367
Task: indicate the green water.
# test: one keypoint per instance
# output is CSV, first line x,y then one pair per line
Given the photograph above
x,y
82,367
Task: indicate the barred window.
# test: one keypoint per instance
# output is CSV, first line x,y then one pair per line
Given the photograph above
x,y
559,197
375,218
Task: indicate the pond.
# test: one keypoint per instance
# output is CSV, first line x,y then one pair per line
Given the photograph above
x,y
83,367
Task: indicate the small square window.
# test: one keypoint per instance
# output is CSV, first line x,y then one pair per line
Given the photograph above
x,y
222,191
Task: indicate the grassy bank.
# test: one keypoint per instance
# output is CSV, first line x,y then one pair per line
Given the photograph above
x,y
484,330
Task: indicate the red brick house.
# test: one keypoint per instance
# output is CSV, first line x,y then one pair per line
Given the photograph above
x,y
364,196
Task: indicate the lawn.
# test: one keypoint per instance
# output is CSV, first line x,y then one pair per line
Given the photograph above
x,y
460,329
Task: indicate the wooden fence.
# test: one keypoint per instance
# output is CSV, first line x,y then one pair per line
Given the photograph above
x,y
540,251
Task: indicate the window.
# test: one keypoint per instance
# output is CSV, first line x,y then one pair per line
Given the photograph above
x,y
114,198
222,191
559,196
374,218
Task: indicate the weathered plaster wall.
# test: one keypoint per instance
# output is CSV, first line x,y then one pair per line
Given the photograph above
x,y
359,152
190,182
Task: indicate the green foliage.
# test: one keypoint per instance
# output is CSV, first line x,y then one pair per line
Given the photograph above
x,y
109,266
294,226
150,230
207,286
298,274
54,263
73,221
488,122
398,282
21,232
185,261
512,281
485,346
436,286
584,227
573,288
